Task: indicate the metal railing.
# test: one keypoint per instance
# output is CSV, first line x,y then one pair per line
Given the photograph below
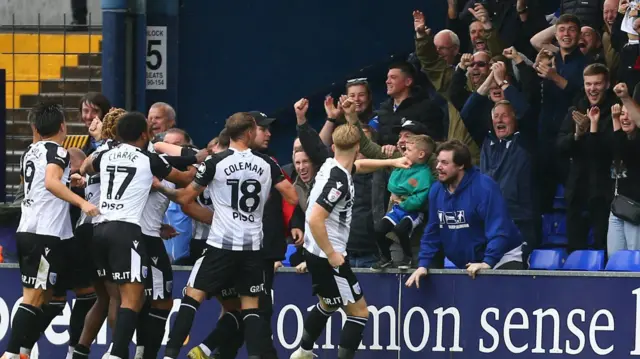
x,y
59,63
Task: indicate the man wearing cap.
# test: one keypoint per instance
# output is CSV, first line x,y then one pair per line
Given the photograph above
x,y
370,149
408,127
275,221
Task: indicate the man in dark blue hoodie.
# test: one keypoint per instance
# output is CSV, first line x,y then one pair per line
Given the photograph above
x,y
468,218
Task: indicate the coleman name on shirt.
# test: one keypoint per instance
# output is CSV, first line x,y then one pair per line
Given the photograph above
x,y
241,166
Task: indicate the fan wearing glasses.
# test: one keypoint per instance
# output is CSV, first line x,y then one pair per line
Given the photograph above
x,y
359,92
470,73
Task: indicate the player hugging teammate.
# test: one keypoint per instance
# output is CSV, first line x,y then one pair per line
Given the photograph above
x,y
128,187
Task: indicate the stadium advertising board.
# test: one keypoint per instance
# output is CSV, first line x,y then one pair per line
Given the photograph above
x,y
450,316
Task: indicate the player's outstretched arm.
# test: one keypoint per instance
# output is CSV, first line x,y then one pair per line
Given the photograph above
x,y
168,148
197,212
181,178
53,183
182,196
288,192
368,165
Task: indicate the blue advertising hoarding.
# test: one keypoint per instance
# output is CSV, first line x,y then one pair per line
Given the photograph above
x,y
534,315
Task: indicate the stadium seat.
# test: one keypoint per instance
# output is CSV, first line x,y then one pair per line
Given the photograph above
x,y
624,261
554,230
448,264
556,240
558,200
590,238
547,224
585,260
291,249
547,259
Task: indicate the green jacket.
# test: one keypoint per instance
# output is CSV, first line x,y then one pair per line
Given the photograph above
x,y
412,185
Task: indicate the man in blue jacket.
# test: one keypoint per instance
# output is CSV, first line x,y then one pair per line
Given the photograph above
x,y
468,218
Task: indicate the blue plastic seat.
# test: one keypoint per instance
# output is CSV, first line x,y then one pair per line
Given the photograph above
x,y
291,249
585,260
448,264
556,241
558,200
559,224
547,259
624,261
547,225
590,238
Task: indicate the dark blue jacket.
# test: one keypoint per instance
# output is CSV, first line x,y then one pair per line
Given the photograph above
x,y
510,161
472,225
556,101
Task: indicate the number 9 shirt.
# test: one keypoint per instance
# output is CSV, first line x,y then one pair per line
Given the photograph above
x,y
238,183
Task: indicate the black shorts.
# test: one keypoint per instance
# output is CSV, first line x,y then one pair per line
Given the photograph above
x,y
159,283
222,270
119,253
78,270
336,288
228,291
197,247
40,259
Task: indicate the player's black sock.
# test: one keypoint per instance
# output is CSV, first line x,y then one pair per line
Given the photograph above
x,y
49,312
256,333
83,304
45,317
141,327
125,326
226,329
80,352
25,322
34,334
351,337
230,350
314,325
182,326
154,322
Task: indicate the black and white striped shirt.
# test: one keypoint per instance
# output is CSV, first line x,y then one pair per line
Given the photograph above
x,y
334,191
238,184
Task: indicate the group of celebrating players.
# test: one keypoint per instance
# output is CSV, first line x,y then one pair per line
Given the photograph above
x,y
128,183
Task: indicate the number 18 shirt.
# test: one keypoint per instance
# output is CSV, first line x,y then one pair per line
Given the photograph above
x,y
238,183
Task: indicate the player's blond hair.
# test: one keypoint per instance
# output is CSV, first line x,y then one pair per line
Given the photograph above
x,y
346,137
423,143
109,122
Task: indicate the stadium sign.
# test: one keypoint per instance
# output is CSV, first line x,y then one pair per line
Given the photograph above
x,y
526,315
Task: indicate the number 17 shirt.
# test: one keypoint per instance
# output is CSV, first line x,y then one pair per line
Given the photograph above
x,y
126,175
238,183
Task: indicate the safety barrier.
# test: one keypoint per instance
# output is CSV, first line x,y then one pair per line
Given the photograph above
x,y
499,315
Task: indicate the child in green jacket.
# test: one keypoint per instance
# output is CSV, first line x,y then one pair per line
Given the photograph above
x,y
409,192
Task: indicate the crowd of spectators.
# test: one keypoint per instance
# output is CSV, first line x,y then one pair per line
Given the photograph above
x,y
514,100
540,96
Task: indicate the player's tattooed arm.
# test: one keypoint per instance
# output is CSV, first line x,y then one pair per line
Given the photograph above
x,y
182,196
171,193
